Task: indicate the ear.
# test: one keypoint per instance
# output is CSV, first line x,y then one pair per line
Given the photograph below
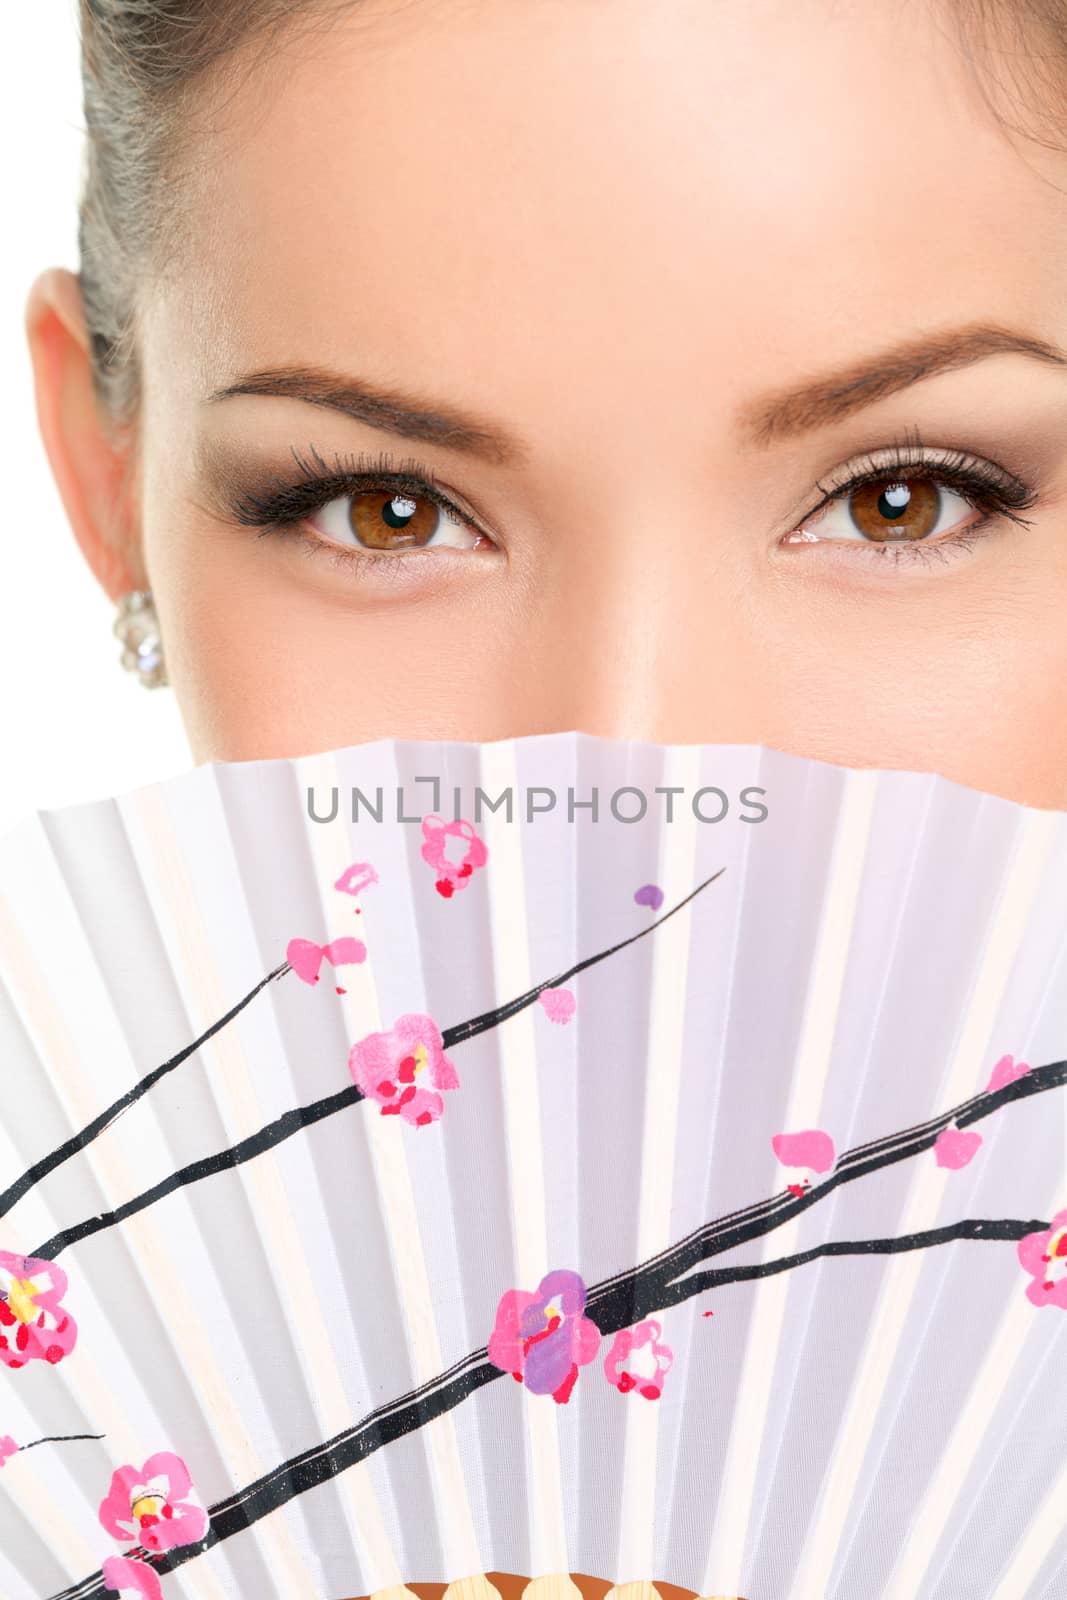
x,y
92,459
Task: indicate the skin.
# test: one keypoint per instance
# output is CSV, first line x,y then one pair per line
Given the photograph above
x,y
616,233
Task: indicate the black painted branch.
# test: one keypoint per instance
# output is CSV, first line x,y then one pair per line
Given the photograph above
x,y
246,1150
100,1124
62,1438
491,1019
971,1228
444,1393
725,1233
291,1122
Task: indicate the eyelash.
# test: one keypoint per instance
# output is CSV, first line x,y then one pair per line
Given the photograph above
x,y
280,506
988,488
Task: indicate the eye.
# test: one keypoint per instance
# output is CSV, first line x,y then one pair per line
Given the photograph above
x,y
889,510
365,509
390,520
911,501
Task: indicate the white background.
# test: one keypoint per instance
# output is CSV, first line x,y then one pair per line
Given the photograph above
x,y
73,725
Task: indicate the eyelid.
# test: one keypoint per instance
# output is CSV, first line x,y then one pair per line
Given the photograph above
x,y
284,502
983,482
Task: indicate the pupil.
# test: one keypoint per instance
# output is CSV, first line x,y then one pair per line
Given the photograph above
x,y
398,512
894,501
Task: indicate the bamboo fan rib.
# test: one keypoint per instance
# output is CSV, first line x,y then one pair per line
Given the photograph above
x,y
642,1168
510,1586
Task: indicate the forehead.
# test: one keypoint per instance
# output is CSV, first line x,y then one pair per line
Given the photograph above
x,y
536,199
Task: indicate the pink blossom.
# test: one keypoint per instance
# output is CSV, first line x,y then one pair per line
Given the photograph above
x,y
954,1148
637,1362
810,1148
649,894
306,958
149,1505
394,1069
354,879
451,875
543,1338
1006,1071
8,1448
133,1579
34,1326
1044,1255
558,1004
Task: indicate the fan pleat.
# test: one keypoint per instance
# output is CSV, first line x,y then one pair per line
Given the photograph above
x,y
300,1301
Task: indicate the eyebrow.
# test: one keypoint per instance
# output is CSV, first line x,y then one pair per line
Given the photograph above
x,y
819,401
392,410
800,408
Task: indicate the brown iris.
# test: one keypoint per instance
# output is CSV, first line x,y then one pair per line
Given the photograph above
x,y
392,521
896,508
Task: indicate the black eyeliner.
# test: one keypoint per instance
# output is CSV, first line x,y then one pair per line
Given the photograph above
x,y
282,502
989,488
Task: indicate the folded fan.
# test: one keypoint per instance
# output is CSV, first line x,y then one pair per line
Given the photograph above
x,y
548,1156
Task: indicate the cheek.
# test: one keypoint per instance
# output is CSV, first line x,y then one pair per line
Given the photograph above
x,y
273,653
978,696
1012,717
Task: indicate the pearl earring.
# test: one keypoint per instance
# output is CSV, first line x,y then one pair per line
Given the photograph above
x,y
137,627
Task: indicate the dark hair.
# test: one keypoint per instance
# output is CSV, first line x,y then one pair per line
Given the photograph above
x,y
1017,50
142,61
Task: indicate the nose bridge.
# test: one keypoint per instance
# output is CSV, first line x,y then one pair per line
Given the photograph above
x,y
649,618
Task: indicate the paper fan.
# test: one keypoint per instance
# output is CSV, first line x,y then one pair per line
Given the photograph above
x,y
552,1156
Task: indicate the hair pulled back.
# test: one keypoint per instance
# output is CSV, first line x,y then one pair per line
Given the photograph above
x,y
142,61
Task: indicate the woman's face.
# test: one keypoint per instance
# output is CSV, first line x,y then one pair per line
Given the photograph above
x,y
732,332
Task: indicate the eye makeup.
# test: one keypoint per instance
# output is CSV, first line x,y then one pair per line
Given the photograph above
x,y
282,501
908,475
287,503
